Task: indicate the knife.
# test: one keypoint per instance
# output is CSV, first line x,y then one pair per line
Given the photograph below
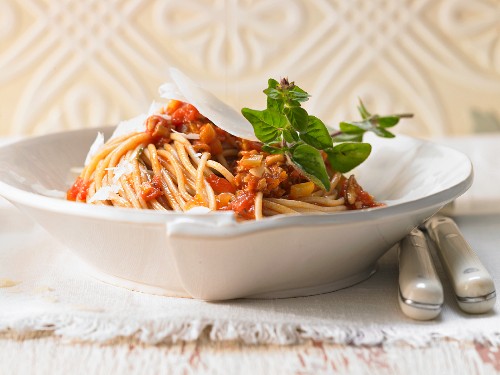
x,y
472,284
420,290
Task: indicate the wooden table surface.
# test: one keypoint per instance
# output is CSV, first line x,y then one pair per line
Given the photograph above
x,y
48,354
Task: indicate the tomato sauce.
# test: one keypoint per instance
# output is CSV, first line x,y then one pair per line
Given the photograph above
x,y
185,113
151,190
220,185
243,205
79,190
363,199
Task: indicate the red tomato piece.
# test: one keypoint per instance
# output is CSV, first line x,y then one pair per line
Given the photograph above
x,y
151,190
243,205
220,185
362,198
78,191
185,113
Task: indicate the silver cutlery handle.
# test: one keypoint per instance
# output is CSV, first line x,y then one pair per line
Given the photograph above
x,y
473,285
420,291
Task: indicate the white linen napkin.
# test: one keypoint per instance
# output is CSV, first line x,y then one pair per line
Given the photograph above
x,y
483,197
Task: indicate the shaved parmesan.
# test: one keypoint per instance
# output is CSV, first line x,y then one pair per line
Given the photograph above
x,y
199,210
104,193
123,168
187,136
154,108
221,114
95,147
133,125
171,91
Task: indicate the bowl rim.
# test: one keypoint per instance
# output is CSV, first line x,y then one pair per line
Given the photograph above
x,y
131,215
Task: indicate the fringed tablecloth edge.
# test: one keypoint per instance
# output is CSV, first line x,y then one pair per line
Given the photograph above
x,y
154,332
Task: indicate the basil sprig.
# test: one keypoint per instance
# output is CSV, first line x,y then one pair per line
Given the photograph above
x,y
354,130
284,127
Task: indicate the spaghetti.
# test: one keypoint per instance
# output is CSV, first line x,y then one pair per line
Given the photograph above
x,y
182,160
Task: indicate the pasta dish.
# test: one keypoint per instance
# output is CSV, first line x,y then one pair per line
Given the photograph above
x,y
183,161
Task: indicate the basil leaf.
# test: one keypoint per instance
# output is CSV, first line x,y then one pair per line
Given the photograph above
x,y
363,111
272,90
274,96
309,161
272,83
344,137
381,132
273,93
274,150
267,124
316,134
275,104
346,156
298,94
298,118
290,135
388,121
354,127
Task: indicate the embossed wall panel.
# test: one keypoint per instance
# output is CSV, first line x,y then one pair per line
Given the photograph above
x,y
71,64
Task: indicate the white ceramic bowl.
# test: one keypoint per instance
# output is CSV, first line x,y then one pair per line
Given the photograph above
x,y
211,256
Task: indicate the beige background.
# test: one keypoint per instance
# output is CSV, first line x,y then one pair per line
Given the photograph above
x,y
69,64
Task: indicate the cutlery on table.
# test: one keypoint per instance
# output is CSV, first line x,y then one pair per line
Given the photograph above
x,y
420,291
473,285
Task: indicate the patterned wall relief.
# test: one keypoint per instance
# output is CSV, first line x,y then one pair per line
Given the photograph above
x,y
475,27
80,63
230,39
70,64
